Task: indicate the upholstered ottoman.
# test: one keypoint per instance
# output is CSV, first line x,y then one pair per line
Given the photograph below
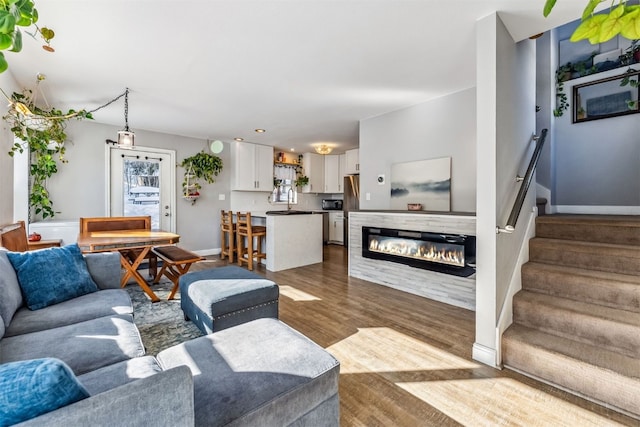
x,y
219,298
261,373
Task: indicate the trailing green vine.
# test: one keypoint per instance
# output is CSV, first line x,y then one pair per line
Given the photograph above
x,y
200,166
14,14
42,132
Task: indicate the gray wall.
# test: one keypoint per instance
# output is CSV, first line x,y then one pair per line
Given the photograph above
x,y
79,187
597,163
444,127
506,121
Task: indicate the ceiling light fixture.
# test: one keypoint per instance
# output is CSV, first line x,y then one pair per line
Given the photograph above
x,y
125,136
323,149
238,139
260,130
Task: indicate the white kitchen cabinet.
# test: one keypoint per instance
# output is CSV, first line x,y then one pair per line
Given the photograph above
x,y
336,227
352,161
332,174
313,165
252,167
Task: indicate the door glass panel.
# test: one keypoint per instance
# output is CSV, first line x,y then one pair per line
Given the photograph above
x,y
141,192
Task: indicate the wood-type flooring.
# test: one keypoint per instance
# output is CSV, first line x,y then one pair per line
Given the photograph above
x,y
406,360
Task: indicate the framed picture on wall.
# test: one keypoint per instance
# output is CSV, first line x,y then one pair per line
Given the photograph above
x,y
423,183
604,98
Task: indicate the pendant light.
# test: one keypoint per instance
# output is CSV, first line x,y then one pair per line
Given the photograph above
x,y
126,137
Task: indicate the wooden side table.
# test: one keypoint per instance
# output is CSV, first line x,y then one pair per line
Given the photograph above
x,y
42,244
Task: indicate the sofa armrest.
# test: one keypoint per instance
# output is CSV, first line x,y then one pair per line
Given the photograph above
x,y
105,269
164,399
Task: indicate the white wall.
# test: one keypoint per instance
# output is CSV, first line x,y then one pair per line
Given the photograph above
x,y
8,84
506,122
79,187
443,127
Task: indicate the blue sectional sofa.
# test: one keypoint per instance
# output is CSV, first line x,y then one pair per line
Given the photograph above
x,y
94,334
260,373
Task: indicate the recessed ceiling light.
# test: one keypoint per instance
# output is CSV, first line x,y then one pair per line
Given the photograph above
x,y
238,139
260,130
293,149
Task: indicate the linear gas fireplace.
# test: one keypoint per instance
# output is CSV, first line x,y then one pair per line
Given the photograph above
x,y
445,253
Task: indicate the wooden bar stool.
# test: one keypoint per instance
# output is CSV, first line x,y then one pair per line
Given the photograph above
x,y
245,229
227,231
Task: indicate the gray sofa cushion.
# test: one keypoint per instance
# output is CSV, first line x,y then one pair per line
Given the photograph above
x,y
10,293
86,307
105,269
84,346
118,374
259,373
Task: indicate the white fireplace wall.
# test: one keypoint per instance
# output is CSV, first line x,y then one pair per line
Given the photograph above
x,y
454,290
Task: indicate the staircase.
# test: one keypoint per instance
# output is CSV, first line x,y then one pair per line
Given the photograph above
x,y
576,321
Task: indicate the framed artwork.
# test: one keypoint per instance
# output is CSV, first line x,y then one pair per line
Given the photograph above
x,y
423,182
604,98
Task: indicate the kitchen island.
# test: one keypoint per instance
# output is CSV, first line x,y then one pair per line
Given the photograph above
x,y
294,239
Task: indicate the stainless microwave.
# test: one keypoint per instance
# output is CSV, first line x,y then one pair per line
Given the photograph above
x,y
331,205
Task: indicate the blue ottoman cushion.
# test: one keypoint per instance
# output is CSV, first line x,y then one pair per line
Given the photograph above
x,y
261,373
219,298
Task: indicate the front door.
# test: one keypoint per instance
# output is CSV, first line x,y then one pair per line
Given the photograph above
x,y
142,182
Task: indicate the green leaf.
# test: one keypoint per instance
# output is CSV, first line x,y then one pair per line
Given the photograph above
x,y
588,29
548,6
5,41
17,41
591,6
3,63
7,22
612,25
631,25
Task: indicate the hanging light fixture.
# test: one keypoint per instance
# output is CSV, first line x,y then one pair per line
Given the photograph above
x,y
126,137
323,149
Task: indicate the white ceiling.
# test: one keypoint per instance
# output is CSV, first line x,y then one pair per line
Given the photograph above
x,y
305,70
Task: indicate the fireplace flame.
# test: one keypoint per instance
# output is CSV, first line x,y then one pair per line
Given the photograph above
x,y
434,252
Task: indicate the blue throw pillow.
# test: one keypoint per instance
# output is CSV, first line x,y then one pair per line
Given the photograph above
x,y
30,388
52,275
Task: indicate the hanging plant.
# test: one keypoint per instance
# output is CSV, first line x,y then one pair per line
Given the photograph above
x,y
42,131
301,181
14,14
622,19
201,166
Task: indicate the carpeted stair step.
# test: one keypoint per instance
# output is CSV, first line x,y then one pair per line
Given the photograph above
x,y
617,330
624,259
590,371
608,289
615,229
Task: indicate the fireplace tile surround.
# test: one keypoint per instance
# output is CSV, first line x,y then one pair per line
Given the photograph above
x,y
454,290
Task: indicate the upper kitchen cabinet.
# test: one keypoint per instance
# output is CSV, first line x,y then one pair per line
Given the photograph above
x,y
252,167
333,173
313,165
352,161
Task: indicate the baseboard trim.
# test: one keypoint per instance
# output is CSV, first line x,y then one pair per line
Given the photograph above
x,y
205,252
597,210
484,354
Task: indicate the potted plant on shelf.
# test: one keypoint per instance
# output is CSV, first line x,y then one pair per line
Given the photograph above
x,y
42,132
201,166
301,181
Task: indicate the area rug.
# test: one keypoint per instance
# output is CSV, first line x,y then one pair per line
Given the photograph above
x,y
162,324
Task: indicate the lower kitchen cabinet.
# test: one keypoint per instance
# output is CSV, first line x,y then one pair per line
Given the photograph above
x,y
336,227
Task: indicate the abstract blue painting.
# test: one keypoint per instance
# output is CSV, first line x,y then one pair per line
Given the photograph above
x,y
427,182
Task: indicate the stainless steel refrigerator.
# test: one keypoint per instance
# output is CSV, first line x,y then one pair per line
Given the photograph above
x,y
351,201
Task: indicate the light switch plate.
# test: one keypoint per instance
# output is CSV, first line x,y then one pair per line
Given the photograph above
x,y
222,196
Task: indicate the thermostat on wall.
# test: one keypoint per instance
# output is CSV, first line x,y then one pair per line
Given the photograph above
x,y
380,179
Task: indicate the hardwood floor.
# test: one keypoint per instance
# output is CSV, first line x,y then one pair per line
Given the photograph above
x,y
406,360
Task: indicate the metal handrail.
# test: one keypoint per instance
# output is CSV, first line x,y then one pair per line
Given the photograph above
x,y
526,182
